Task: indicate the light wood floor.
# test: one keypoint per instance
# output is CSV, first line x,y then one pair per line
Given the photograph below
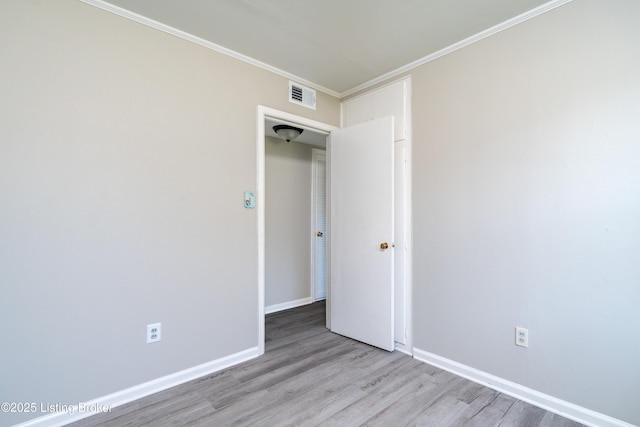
x,y
309,376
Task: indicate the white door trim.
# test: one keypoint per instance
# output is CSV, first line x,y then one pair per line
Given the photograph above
x,y
262,113
408,225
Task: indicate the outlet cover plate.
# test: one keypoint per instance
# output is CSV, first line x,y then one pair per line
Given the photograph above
x,y
522,337
154,332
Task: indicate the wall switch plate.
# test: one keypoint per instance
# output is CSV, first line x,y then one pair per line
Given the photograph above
x,y
249,199
154,332
522,337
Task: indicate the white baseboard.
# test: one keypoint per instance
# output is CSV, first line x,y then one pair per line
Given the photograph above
x,y
121,397
287,305
541,400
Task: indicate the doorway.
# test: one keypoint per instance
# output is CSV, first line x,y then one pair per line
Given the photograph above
x,y
295,214
264,114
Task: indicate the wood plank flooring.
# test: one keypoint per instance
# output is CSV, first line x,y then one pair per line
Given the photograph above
x,y
309,376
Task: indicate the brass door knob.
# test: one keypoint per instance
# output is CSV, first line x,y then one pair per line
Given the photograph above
x,y
319,234
384,245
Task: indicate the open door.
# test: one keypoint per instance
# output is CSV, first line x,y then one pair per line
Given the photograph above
x,y
362,221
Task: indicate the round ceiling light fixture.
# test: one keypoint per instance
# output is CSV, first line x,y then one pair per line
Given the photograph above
x,y
286,132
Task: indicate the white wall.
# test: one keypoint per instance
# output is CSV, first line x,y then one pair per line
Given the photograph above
x,y
287,221
527,205
124,155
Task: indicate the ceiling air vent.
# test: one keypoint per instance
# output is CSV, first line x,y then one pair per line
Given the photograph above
x,y
302,95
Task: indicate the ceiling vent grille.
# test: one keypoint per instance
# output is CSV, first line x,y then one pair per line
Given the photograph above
x,y
302,95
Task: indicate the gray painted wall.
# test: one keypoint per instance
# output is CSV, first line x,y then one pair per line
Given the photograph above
x,y
124,155
287,221
527,205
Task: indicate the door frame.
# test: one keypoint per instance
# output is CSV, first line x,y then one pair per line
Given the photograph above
x,y
263,113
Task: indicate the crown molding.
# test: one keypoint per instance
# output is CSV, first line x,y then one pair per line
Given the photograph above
x,y
101,4
459,45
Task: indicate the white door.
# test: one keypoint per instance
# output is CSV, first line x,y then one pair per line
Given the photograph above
x,y
362,221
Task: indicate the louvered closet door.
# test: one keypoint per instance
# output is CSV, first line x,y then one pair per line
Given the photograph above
x,y
320,228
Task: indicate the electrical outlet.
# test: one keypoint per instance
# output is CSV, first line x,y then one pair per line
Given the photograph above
x,y
522,337
154,332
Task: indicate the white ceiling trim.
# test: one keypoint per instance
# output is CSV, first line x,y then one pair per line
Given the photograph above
x,y
221,49
459,45
205,43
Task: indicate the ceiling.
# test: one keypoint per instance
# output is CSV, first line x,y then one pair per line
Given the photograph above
x,y
338,45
